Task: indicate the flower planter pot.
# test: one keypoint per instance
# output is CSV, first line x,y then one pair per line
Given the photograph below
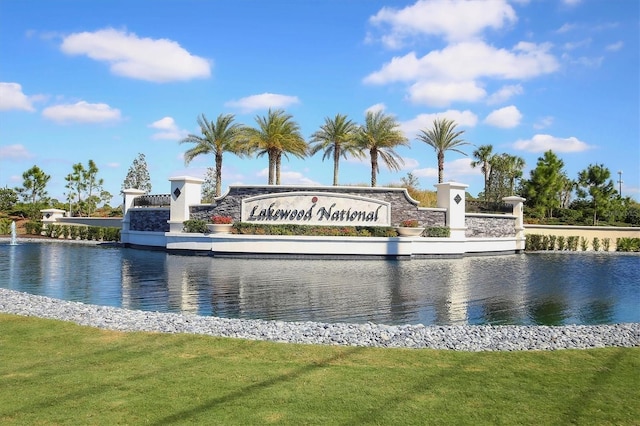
x,y
219,228
409,232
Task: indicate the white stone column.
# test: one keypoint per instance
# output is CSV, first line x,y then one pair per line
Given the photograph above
x,y
130,195
185,192
517,203
51,216
451,196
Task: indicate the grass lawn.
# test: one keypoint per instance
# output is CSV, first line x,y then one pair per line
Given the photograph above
x,y
53,372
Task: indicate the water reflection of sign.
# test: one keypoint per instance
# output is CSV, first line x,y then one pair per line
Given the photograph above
x,y
316,208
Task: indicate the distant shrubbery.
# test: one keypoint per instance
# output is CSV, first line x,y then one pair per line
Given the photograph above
x,y
200,226
96,233
536,242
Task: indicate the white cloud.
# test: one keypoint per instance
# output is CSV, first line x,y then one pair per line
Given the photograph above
x,y
289,177
453,73
542,143
565,28
505,118
157,60
504,94
168,129
113,165
453,20
614,47
454,170
11,97
424,121
376,108
263,101
81,112
440,94
15,152
543,122
577,44
571,2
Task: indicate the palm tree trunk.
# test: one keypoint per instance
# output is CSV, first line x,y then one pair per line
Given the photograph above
x,y
336,162
374,167
278,163
218,173
440,166
272,167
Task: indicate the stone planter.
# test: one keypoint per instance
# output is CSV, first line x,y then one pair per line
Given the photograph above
x,y
409,232
219,228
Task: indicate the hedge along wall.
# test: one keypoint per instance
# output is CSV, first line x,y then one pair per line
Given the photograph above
x,y
402,206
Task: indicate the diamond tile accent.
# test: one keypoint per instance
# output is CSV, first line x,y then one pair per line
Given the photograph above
x,y
457,199
177,192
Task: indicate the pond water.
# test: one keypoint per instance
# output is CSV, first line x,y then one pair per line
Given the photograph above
x,y
539,288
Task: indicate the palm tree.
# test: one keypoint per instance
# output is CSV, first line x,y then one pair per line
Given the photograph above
x,y
514,166
337,138
276,134
380,135
482,157
443,137
223,135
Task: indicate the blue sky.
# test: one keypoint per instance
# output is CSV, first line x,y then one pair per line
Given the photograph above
x,y
106,80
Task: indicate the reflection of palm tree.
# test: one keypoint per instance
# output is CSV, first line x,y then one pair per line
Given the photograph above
x,y
276,134
380,135
337,138
223,135
443,137
482,157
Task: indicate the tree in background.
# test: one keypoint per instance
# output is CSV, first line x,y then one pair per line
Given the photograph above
x,y
595,182
216,138
482,157
277,134
544,188
379,135
208,191
138,175
33,189
84,184
336,138
443,137
504,170
8,199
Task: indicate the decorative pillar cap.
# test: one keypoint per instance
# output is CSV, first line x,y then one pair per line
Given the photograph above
x,y
186,179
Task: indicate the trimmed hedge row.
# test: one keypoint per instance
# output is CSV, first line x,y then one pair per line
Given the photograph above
x,y
73,232
200,226
537,242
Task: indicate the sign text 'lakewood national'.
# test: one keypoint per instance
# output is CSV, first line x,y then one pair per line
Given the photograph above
x,y
316,209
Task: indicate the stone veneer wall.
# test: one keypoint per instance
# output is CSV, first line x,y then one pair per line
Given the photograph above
x,y
149,219
490,226
402,207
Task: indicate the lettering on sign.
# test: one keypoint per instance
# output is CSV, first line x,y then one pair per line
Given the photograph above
x,y
309,208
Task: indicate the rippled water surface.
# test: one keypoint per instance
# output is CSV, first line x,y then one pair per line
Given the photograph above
x,y
549,288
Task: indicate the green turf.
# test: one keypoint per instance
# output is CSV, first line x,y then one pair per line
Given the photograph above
x,y
53,372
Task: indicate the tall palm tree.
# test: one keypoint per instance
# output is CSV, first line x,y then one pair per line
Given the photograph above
x,y
223,135
276,135
514,166
443,137
482,157
380,135
336,138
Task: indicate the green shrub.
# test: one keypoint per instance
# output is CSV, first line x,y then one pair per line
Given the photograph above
x,y
533,242
111,234
5,226
596,244
33,227
552,243
195,226
584,244
73,232
52,230
83,232
572,243
561,241
315,230
64,231
628,244
437,231
606,243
